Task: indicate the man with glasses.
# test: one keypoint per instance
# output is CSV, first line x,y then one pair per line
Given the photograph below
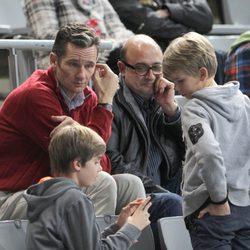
x,y
146,138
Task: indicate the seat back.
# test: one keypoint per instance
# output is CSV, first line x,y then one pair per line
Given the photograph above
x,y
235,13
12,19
12,234
145,241
173,234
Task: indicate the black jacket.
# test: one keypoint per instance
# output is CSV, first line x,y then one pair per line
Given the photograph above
x,y
128,146
185,15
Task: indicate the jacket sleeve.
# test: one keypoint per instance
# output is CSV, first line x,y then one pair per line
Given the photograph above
x,y
115,27
142,19
205,149
79,228
195,14
44,12
119,165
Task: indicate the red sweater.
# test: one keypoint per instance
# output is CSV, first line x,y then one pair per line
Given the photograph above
x,y
25,126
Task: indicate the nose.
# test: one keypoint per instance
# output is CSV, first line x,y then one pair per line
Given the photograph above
x,y
150,74
81,73
176,87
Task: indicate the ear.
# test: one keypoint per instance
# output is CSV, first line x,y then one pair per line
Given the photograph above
x,y
53,59
76,165
203,74
121,67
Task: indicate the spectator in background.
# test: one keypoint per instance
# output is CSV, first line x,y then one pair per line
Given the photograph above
x,y
237,66
48,100
45,17
164,20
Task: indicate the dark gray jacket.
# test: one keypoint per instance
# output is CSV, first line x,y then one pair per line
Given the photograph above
x,y
62,217
128,146
185,15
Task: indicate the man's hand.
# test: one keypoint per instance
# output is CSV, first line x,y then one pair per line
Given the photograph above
x,y
215,209
164,95
63,121
163,13
105,83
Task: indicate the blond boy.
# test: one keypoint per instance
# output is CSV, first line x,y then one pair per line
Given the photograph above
x,y
216,175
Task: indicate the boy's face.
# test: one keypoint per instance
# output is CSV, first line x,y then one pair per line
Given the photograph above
x,y
88,173
185,84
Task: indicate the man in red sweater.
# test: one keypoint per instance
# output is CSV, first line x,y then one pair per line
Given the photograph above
x,y
52,98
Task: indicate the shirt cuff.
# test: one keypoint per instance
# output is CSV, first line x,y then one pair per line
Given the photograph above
x,y
107,106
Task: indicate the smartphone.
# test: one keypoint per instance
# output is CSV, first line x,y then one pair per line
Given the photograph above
x,y
152,198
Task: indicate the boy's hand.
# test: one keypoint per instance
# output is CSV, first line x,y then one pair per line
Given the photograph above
x,y
130,209
217,210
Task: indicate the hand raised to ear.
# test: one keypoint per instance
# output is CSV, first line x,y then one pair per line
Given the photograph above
x,y
105,83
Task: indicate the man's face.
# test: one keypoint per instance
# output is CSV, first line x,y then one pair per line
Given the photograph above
x,y
147,54
74,70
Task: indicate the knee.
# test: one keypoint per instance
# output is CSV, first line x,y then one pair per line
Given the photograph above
x,y
169,203
106,182
131,183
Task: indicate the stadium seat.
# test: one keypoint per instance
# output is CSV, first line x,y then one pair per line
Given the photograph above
x,y
12,19
12,234
173,234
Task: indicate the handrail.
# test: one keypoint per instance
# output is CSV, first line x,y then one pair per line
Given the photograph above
x,y
14,45
41,45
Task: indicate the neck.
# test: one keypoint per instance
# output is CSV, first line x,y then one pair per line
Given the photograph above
x,y
210,83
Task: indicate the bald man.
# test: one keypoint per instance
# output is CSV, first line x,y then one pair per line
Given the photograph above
x,y
146,138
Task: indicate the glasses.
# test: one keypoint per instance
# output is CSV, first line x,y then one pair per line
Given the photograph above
x,y
142,69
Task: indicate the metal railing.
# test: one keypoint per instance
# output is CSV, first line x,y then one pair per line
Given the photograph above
x,y
21,59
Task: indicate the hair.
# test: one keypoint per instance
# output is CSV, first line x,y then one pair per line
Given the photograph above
x,y
123,52
77,34
189,53
74,142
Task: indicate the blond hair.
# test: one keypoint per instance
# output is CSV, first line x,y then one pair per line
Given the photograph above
x,y
188,54
74,142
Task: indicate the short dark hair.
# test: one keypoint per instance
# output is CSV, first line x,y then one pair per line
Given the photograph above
x,y
123,52
77,34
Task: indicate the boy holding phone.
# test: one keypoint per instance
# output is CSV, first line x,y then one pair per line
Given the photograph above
x,y
61,215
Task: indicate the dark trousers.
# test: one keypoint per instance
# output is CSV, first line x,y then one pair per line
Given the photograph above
x,y
231,232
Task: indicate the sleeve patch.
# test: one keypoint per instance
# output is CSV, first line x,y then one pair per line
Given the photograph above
x,y
195,132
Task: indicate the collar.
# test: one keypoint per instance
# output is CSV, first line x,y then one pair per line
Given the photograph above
x,y
142,103
77,101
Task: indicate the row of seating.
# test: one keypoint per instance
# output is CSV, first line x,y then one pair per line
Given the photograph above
x,y
172,232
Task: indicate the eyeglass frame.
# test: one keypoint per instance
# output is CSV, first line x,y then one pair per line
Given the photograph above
x,y
148,68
